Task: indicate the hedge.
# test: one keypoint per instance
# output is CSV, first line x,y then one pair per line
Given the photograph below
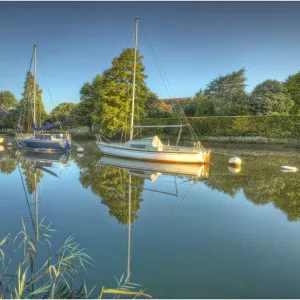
x,y
264,126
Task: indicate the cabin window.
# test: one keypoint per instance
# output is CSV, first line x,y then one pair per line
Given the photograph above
x,y
139,146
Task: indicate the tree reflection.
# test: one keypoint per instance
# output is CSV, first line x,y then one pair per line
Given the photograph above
x,y
29,171
7,165
111,184
262,182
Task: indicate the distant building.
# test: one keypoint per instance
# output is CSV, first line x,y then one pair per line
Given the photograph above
x,y
3,113
173,101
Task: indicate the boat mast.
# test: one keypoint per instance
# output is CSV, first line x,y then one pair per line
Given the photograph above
x,y
134,71
34,85
129,231
36,204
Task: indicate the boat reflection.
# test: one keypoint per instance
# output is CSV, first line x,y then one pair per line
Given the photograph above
x,y
33,165
151,170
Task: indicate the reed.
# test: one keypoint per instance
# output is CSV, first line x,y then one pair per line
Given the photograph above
x,y
23,274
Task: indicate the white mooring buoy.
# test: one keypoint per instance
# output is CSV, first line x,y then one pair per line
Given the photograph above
x,y
235,161
234,169
9,144
288,169
80,149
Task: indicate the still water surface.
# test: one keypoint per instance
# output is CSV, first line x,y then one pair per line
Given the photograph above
x,y
215,232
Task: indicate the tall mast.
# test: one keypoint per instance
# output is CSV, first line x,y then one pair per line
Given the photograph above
x,y
129,231
34,84
36,206
134,71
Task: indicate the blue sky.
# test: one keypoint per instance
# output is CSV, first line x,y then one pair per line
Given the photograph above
x,y
194,41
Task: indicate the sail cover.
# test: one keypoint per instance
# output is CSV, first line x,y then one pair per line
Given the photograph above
x,y
45,127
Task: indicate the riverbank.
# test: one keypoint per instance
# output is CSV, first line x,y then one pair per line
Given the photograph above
x,y
256,142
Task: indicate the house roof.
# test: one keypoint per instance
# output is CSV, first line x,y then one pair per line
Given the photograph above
x,y
174,100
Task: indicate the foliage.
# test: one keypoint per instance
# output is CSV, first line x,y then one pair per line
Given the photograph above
x,y
293,86
229,95
31,174
155,108
27,99
270,97
64,114
90,95
7,165
7,100
112,113
111,184
54,278
65,108
11,120
261,182
26,273
265,126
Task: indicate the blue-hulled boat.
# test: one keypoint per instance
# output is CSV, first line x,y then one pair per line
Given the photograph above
x,y
38,140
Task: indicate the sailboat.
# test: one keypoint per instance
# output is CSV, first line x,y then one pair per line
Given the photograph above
x,y
40,141
152,148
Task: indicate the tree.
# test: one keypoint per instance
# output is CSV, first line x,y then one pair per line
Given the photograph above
x,y
90,94
63,113
11,120
155,108
293,86
229,94
112,113
7,100
27,100
270,97
7,165
65,108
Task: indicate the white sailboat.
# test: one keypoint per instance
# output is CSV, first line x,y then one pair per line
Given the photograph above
x,y
152,148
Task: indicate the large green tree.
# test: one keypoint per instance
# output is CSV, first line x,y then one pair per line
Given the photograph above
x,y
293,86
229,94
27,99
63,113
65,108
112,113
7,100
270,97
90,95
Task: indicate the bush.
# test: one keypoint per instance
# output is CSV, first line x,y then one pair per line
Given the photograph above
x,y
265,126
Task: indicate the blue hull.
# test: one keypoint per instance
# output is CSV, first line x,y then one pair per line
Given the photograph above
x,y
44,145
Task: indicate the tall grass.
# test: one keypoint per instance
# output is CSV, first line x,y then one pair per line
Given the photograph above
x,y
23,275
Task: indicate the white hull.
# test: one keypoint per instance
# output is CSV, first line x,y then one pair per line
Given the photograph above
x,y
140,168
181,155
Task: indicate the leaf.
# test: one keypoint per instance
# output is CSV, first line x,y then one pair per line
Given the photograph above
x,y
123,292
4,240
42,289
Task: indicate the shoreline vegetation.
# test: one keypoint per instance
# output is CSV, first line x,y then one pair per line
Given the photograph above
x,y
23,274
224,112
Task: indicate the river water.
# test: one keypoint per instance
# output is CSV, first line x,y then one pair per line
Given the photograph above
x,y
205,232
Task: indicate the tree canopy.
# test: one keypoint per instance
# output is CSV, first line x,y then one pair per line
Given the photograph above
x,y
270,97
65,108
27,99
113,109
7,100
293,86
